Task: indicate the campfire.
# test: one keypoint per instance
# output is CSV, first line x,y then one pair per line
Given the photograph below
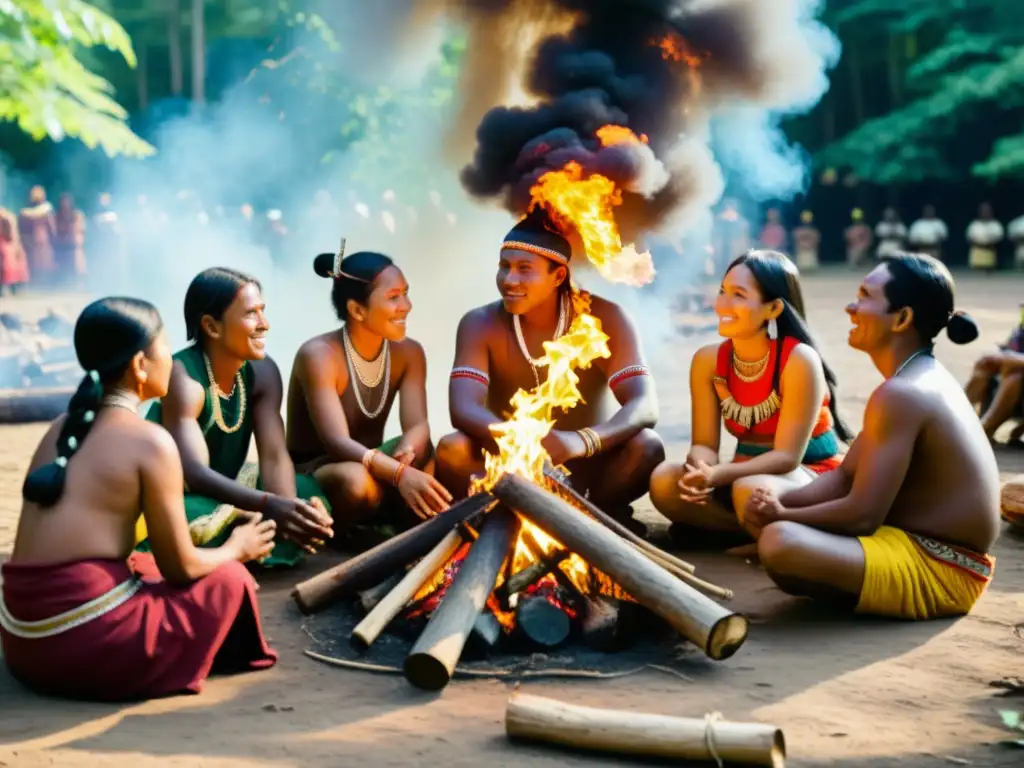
x,y
525,557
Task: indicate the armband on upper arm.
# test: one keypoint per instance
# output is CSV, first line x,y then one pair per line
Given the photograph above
x,y
627,373
465,372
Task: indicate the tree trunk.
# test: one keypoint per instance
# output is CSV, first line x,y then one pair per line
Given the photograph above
x,y
142,75
856,84
174,46
198,51
895,62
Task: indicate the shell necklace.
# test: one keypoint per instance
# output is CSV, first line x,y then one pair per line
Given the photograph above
x,y
748,371
371,381
559,331
215,390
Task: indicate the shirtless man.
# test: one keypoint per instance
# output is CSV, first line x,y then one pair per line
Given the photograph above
x,y
901,528
610,448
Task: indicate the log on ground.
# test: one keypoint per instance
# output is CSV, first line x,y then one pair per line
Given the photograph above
x,y
28,405
373,566
716,630
535,718
431,662
369,598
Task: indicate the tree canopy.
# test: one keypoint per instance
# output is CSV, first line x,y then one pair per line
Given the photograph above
x,y
47,90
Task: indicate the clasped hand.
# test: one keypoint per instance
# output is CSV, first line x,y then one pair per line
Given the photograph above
x,y
762,508
698,482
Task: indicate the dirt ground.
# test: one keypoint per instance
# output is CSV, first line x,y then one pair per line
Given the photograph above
x,y
847,692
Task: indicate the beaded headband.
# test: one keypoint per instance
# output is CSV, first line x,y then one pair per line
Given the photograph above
x,y
548,253
338,271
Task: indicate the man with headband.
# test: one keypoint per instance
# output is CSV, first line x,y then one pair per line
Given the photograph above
x,y
609,447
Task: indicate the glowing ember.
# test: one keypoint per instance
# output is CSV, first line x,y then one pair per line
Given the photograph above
x,y
610,135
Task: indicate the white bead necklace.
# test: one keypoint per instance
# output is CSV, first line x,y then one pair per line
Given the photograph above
x,y
559,332
384,373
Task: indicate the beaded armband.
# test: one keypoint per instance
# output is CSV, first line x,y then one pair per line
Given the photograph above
x,y
629,372
471,373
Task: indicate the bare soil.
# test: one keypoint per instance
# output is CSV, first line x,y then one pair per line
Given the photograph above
x,y
847,691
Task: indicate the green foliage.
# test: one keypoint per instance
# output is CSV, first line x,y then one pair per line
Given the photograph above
x,y
971,73
47,91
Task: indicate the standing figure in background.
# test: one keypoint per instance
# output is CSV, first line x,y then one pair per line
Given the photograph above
x,y
773,234
858,239
891,233
106,246
13,262
731,235
984,236
929,233
69,242
1015,231
37,225
806,242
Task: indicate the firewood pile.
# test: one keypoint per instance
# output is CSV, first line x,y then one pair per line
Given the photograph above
x,y
521,564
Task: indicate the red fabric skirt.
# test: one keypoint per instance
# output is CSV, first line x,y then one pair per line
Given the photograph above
x,y
162,640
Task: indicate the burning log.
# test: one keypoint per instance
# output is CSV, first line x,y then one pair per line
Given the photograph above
x,y
484,637
369,598
377,620
534,572
374,565
703,622
681,738
432,660
605,626
542,622
610,522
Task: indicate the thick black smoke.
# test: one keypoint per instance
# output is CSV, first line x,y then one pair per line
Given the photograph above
x,y
610,68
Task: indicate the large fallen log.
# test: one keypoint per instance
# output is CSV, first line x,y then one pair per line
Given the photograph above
x,y
719,632
391,605
658,736
33,404
373,566
431,662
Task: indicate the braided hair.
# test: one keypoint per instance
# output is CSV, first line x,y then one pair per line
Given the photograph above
x,y
108,334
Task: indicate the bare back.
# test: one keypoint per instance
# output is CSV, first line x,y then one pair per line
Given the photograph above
x,y
102,500
951,488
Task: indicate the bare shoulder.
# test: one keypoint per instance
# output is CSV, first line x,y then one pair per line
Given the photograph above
x,y
896,402
183,387
265,371
410,350
609,313
804,361
706,358
151,444
481,322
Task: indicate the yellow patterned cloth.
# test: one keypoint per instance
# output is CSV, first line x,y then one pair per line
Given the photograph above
x,y
907,576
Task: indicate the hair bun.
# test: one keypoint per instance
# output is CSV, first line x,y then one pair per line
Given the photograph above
x,y
961,328
323,265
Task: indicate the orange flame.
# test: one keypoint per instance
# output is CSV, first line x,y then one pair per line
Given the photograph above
x,y
610,135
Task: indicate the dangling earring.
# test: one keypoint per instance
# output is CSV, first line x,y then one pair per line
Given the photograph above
x,y
773,329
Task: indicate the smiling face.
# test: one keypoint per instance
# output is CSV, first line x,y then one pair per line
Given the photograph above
x,y
388,306
874,324
740,306
526,280
242,331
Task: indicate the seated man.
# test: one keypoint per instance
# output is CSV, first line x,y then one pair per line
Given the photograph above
x,y
996,387
610,451
902,527
224,391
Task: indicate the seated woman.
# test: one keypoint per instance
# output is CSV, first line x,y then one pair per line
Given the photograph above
x,y
342,387
225,390
80,614
771,389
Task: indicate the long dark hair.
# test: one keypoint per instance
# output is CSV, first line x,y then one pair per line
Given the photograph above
x,y
778,279
211,292
354,281
108,334
924,284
